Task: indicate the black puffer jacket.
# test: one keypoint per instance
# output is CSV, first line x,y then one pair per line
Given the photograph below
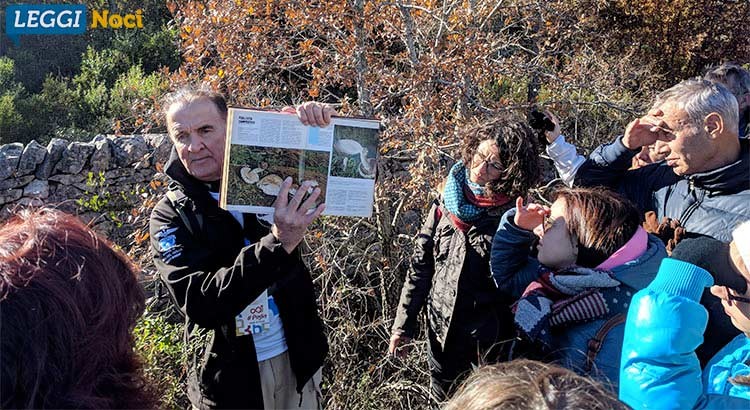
x,y
451,274
212,277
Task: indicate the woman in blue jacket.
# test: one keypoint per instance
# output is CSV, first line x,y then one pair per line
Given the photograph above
x,y
666,322
572,296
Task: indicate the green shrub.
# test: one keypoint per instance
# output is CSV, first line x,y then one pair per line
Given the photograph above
x,y
132,99
11,122
100,67
162,349
6,74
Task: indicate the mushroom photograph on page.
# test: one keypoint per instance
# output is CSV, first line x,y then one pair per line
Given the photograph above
x,y
354,152
256,173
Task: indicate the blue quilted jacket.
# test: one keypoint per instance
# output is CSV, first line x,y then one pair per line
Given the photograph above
x,y
665,324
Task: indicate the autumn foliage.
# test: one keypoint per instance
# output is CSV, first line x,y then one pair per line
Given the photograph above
x,y
425,67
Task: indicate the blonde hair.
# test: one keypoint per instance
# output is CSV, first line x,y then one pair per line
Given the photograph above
x,y
530,385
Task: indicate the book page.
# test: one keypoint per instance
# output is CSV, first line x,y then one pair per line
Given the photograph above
x,y
351,182
263,148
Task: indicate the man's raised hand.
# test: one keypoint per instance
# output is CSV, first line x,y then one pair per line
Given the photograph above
x,y
312,113
647,130
315,114
291,217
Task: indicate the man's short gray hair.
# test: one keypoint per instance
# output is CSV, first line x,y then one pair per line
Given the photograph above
x,y
191,93
701,97
732,76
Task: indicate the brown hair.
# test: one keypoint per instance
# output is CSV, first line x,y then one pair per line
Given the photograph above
x,y
69,304
518,153
602,222
530,385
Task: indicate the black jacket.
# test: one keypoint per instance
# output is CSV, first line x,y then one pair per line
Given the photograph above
x,y
212,277
451,275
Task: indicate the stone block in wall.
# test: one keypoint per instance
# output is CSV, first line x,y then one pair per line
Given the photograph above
x,y
10,195
32,156
135,176
75,157
10,154
67,179
65,192
37,189
15,182
162,147
55,150
128,149
114,174
101,159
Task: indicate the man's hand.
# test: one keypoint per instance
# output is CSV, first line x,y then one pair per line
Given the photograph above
x,y
312,113
552,135
529,217
291,218
398,346
647,130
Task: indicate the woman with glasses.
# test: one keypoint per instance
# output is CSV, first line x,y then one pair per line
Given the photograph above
x,y
450,267
571,269
666,323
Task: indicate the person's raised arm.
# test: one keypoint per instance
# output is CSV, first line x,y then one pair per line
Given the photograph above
x,y
563,154
608,164
510,264
211,297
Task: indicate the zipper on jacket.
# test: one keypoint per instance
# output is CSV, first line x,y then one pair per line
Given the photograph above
x,y
698,200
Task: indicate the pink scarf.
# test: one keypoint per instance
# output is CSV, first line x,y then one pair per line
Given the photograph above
x,y
632,250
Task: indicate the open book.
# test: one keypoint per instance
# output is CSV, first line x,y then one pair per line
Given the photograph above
x,y
263,148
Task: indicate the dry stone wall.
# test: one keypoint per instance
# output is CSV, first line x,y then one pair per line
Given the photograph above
x,y
105,176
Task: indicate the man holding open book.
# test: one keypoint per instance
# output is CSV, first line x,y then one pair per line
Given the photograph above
x,y
235,275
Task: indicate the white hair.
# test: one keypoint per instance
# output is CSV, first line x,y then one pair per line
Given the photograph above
x,y
700,98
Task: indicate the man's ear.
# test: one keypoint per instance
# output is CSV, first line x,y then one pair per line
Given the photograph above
x,y
714,124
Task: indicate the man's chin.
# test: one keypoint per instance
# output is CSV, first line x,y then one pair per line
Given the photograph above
x,y
204,177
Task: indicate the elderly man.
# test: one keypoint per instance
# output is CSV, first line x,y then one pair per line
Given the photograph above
x,y
217,264
704,181
737,80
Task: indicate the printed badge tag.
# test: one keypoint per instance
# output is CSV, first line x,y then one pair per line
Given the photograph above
x,y
255,318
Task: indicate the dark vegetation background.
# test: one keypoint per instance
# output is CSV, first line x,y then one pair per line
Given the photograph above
x,y
423,67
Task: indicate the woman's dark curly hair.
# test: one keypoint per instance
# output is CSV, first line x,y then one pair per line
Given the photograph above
x,y
518,153
69,303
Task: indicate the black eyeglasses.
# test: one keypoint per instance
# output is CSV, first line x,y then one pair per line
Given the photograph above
x,y
734,298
